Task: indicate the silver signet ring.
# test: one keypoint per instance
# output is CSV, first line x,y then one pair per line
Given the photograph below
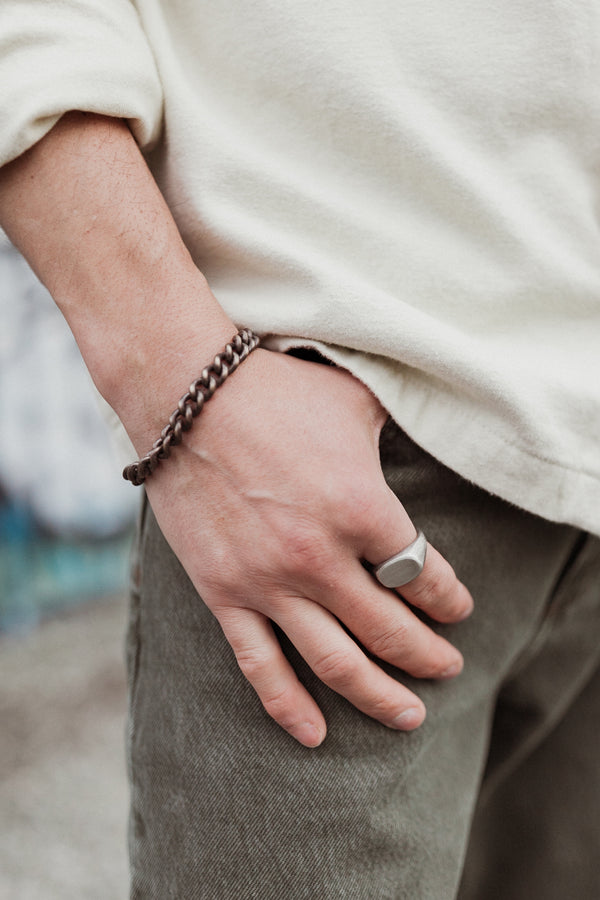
x,y
404,566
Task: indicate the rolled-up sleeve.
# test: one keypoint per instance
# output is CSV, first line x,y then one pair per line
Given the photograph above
x,y
62,55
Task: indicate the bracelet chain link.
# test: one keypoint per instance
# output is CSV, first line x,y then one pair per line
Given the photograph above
x,y
192,403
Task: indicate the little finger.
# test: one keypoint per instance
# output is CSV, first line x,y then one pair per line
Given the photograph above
x,y
264,664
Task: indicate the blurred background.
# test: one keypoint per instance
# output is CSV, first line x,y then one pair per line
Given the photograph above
x,y
66,522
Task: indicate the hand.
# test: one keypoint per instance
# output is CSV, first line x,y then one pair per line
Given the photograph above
x,y
270,504
277,493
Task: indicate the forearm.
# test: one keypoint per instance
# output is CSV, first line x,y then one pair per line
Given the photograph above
x,y
84,209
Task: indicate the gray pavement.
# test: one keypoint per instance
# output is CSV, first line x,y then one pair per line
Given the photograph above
x,y
63,790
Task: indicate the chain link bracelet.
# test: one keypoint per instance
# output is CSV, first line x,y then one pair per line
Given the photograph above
x,y
192,403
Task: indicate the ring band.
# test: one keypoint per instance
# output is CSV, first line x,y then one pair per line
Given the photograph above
x,y
404,566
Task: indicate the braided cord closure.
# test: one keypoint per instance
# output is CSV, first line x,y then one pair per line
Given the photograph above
x,y
191,404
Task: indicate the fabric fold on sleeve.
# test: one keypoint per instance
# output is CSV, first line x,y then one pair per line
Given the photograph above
x,y
89,55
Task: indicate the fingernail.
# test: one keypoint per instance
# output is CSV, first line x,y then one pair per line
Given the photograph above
x,y
451,671
409,719
307,734
465,615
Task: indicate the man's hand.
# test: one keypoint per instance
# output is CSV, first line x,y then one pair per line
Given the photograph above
x,y
276,494
271,503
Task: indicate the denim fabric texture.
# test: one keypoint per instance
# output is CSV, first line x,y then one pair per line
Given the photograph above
x,y
496,796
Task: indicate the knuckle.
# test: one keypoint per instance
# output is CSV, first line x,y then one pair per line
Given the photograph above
x,y
335,667
359,510
279,704
384,707
253,663
305,551
435,588
393,643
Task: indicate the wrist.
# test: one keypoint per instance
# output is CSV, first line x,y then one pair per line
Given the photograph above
x,y
192,403
147,369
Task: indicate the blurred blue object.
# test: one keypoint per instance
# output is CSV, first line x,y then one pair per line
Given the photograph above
x,y
65,512
41,574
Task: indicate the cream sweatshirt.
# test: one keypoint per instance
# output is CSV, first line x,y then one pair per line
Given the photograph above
x,y
412,187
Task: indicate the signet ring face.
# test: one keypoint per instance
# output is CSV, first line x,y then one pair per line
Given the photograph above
x,y
403,566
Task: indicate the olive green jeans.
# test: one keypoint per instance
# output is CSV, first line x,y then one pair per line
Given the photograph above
x,y
497,795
